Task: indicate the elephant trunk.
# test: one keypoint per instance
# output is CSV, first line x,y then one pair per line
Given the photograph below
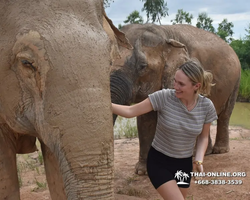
x,y
81,140
77,136
121,89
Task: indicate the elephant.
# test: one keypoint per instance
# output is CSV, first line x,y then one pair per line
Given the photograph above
x,y
150,66
55,89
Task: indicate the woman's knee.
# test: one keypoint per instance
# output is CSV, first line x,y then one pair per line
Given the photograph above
x,y
170,191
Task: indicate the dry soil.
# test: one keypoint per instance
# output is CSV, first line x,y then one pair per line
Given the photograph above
x,y
129,186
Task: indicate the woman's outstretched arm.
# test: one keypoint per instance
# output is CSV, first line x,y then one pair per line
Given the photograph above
x,y
132,111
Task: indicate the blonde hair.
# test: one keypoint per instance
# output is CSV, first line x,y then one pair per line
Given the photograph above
x,y
195,72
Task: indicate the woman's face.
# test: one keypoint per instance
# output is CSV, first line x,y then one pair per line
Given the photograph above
x,y
183,85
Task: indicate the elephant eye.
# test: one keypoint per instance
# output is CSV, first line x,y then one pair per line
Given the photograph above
x,y
26,63
142,69
142,66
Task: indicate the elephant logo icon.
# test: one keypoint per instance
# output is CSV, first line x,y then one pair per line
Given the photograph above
x,y
181,176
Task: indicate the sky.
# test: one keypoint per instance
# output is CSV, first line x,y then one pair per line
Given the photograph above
x,y
235,11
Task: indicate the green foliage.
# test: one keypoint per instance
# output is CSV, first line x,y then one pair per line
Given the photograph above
x,y
225,31
134,18
38,171
131,179
190,197
248,32
130,130
242,49
204,22
40,185
20,181
244,90
125,128
119,26
40,158
27,162
107,3
155,9
182,17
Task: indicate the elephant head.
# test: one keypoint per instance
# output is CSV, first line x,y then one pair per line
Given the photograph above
x,y
148,67
54,86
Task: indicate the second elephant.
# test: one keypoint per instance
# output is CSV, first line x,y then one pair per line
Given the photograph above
x,y
150,66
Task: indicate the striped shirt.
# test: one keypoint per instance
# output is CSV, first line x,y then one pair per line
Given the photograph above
x,y
177,128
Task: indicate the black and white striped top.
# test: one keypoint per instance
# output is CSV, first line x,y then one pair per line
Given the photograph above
x,y
177,128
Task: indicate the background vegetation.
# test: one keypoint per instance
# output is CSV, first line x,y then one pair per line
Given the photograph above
x,y
157,9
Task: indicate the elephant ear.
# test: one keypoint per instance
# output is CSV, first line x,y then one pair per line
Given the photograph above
x,y
176,44
122,40
116,37
175,54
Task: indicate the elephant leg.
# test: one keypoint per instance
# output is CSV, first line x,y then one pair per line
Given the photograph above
x,y
146,125
222,137
9,185
54,178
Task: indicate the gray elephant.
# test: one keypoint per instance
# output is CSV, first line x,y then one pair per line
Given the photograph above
x,y
150,66
54,86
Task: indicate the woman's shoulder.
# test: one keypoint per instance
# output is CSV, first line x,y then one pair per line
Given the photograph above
x,y
205,100
168,93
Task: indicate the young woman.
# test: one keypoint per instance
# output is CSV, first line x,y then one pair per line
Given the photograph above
x,y
184,115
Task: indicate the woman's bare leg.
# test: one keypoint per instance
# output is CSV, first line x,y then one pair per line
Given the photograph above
x,y
170,191
184,192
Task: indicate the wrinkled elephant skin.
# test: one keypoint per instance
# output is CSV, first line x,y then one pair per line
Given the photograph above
x,y
150,66
54,86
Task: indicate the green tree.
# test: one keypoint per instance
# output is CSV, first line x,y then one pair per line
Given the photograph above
x,y
107,3
134,18
155,9
182,17
242,49
247,47
238,47
225,31
204,22
119,26
248,32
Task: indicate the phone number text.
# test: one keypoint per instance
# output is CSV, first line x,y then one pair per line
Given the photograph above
x,y
219,182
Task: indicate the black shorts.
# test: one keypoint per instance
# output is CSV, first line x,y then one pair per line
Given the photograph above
x,y
162,168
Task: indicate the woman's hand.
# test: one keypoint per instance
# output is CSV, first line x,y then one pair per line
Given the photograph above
x,y
198,166
132,111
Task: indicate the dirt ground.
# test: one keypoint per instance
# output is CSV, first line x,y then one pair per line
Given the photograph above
x,y
129,186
